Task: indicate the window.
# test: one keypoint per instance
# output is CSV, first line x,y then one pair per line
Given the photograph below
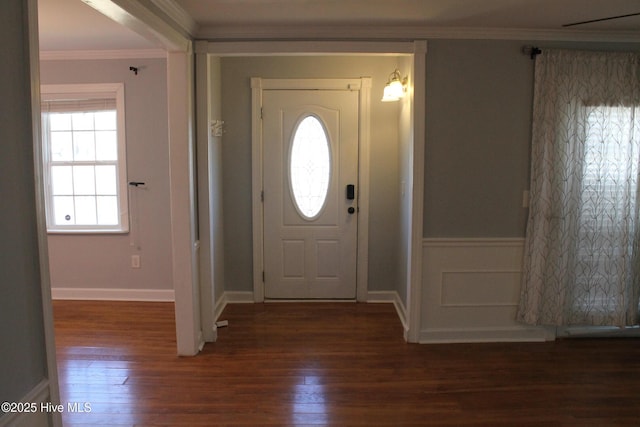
x,y
609,188
84,156
581,251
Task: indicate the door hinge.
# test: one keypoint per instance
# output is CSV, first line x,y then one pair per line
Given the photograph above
x,y
263,276
261,112
262,196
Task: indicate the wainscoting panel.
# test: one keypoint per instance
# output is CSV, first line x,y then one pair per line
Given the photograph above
x,y
480,288
470,291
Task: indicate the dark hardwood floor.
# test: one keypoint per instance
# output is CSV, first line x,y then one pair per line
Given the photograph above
x,y
329,364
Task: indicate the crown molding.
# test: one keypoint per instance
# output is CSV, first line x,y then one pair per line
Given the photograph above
x,y
404,32
74,55
146,21
296,47
176,13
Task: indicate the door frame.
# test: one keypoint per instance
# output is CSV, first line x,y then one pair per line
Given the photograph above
x,y
409,309
363,86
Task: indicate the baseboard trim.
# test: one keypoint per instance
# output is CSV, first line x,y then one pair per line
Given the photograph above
x,y
598,332
237,297
478,335
104,294
231,297
39,394
390,297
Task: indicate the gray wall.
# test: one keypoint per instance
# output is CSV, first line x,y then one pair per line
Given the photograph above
x,y
478,131
236,152
478,120
103,261
22,350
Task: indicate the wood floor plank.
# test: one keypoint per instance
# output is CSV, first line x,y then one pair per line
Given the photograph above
x,y
329,364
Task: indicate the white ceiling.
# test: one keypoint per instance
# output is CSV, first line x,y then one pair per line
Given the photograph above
x,y
72,25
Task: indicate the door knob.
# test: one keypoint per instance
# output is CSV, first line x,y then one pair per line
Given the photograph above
x,y
351,210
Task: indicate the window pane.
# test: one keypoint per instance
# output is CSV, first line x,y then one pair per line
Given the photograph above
x,y
310,167
84,146
107,210
85,159
105,120
60,121
63,211
85,210
82,121
61,181
61,146
84,180
106,180
106,145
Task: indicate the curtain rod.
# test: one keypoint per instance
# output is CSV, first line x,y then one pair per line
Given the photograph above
x,y
532,51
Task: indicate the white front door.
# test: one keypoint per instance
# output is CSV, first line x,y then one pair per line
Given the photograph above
x,y
310,166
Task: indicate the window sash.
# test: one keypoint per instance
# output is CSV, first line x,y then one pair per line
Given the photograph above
x,y
84,99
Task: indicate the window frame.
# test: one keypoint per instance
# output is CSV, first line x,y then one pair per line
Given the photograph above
x,y
88,91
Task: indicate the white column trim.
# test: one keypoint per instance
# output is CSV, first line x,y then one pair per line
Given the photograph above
x,y
257,189
182,201
414,276
364,187
48,388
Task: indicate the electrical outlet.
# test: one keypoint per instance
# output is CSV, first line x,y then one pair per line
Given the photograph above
x,y
135,261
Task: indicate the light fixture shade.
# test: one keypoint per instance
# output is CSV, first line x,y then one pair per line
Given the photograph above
x,y
388,95
394,89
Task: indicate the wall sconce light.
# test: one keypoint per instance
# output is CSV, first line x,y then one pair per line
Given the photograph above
x,y
395,87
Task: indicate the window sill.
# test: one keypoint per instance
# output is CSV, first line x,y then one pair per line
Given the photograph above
x,y
88,232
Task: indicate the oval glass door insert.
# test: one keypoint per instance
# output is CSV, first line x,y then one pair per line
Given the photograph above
x,y
310,167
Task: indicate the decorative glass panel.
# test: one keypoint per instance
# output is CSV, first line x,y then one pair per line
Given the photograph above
x,y
310,167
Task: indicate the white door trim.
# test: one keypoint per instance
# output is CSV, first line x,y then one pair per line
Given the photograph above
x,y
363,86
417,51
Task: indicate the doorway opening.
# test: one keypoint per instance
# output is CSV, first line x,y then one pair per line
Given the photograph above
x,y
229,176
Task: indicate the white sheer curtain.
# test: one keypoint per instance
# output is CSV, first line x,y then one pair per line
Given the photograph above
x,y
582,251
